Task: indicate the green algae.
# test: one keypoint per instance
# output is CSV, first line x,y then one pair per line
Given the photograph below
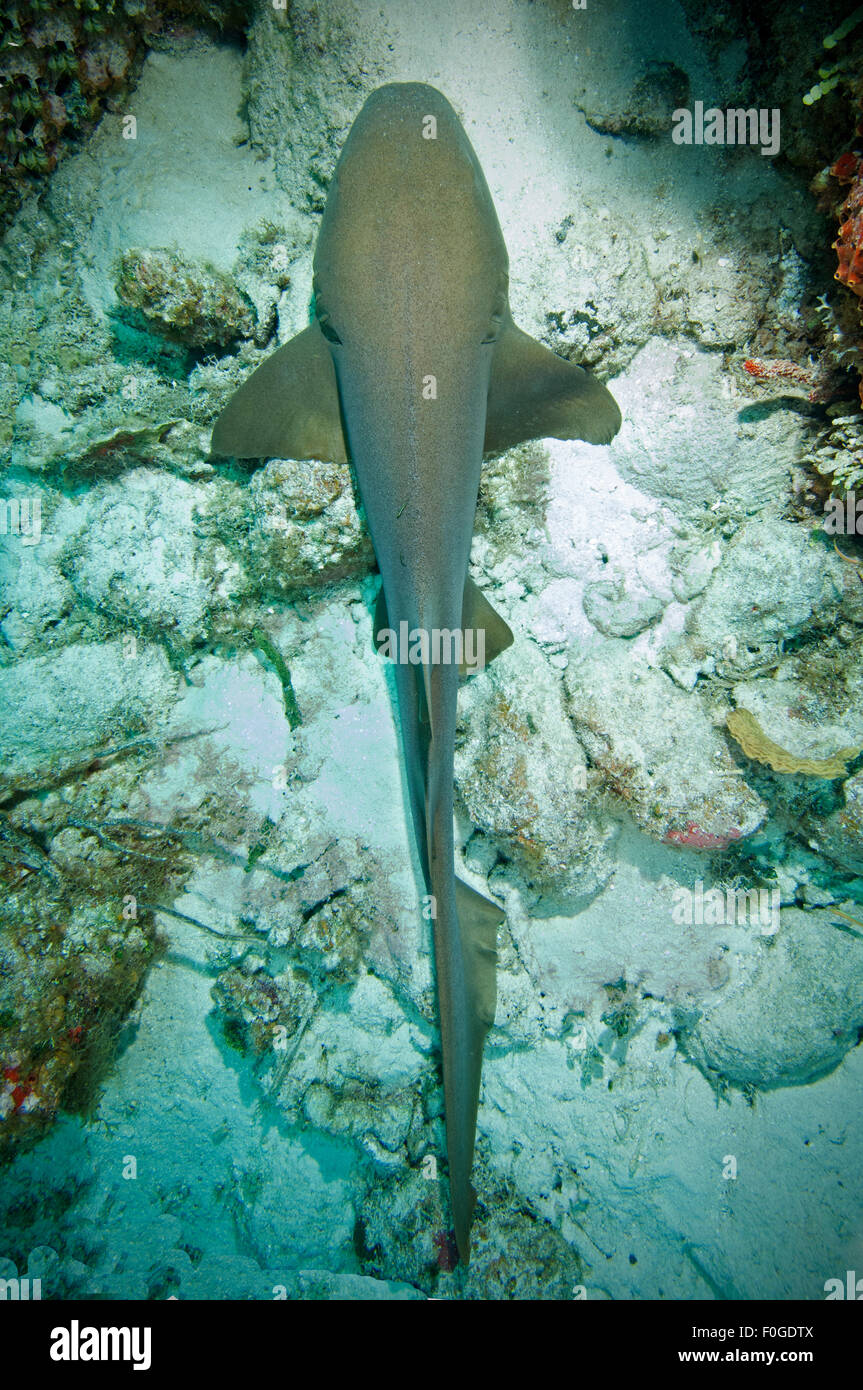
x,y
262,641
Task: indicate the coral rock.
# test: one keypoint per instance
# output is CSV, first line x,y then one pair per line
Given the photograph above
x,y
186,302
522,777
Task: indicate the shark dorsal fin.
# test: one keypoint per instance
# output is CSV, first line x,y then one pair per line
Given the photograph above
x,y
288,408
534,394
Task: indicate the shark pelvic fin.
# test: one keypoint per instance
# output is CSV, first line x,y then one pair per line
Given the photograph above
x,y
287,408
534,394
477,616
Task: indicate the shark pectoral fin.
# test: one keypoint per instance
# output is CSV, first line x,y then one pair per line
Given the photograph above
x,y
534,394
479,919
287,408
477,615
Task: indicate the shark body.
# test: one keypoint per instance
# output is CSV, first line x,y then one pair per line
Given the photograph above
x,y
413,368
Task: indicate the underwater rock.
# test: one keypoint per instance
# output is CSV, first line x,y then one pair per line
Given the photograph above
x,y
811,709
131,447
790,1014
672,304
807,723
308,70
661,89
261,1011
35,597
607,333
19,327
69,972
185,301
58,711
332,939
513,493
618,611
404,1229
59,371
772,585
355,1069
658,752
143,557
702,459
840,835
301,527
521,776
377,1117
320,1284
758,745
267,254
691,567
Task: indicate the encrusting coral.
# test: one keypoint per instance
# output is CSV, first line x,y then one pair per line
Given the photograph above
x,y
745,730
186,302
838,451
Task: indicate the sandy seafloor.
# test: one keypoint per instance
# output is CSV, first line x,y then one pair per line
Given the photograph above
x,y
650,585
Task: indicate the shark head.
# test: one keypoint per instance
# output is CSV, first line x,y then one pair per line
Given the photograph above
x,y
411,296
407,201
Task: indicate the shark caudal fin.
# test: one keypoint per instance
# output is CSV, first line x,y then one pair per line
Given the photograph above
x,y
287,408
534,394
463,1038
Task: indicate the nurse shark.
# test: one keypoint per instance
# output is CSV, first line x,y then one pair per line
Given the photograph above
x,y
411,370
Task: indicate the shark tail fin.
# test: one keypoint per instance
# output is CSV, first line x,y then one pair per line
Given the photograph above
x,y
287,408
478,921
534,394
